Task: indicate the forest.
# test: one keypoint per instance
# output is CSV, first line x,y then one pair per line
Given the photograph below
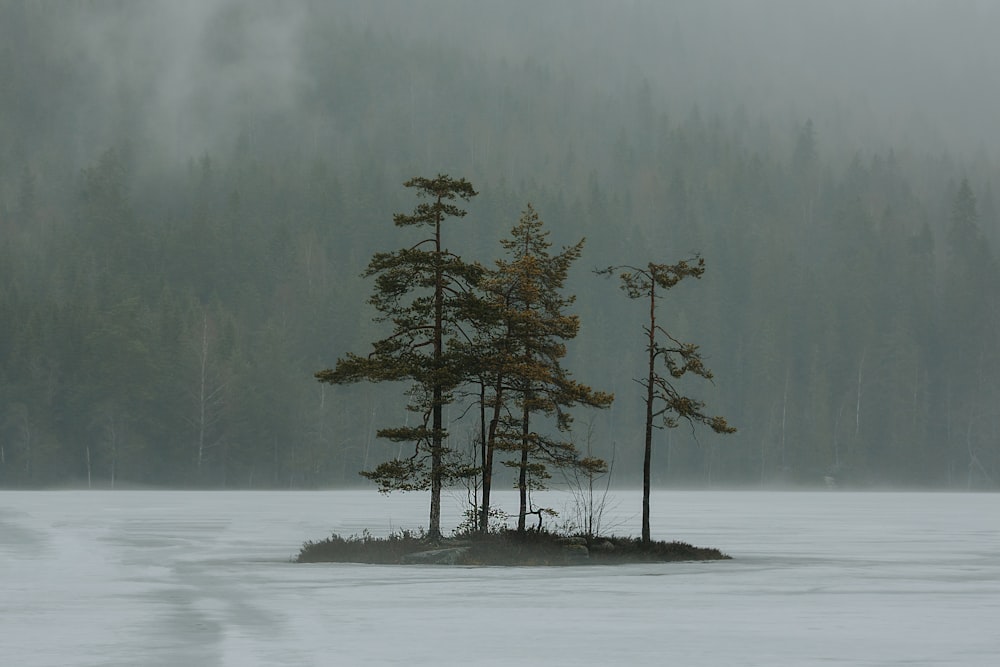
x,y
190,194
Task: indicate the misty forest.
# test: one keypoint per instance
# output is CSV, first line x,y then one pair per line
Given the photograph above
x,y
192,194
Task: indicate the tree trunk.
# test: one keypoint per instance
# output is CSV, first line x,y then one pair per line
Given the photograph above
x,y
481,508
484,519
522,477
647,458
434,527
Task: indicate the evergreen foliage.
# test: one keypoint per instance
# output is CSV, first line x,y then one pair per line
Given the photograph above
x,y
663,399
522,362
427,294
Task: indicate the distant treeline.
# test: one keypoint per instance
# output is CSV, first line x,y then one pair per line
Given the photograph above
x,y
163,308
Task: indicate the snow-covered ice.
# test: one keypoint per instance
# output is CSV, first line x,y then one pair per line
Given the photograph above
x,y
205,578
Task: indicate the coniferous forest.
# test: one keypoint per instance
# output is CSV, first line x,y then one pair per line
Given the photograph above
x,y
190,193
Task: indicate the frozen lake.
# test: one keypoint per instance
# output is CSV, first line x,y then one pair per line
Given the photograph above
x,y
204,578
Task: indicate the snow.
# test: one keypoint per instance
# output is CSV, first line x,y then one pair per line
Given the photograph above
x,y
205,578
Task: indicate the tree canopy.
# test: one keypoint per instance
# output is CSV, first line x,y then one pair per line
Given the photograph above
x,y
426,293
663,397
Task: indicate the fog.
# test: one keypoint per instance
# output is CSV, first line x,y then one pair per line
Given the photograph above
x,y
189,192
884,74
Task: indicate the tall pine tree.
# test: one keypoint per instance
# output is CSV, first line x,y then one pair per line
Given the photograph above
x,y
425,292
523,361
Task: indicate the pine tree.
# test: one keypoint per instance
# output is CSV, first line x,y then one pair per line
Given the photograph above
x,y
426,293
663,399
521,359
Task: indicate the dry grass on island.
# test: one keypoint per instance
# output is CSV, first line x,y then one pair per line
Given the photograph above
x,y
508,548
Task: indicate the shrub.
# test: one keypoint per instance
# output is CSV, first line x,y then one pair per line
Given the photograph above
x,y
364,548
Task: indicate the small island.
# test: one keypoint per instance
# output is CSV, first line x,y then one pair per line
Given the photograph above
x,y
492,341
503,548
